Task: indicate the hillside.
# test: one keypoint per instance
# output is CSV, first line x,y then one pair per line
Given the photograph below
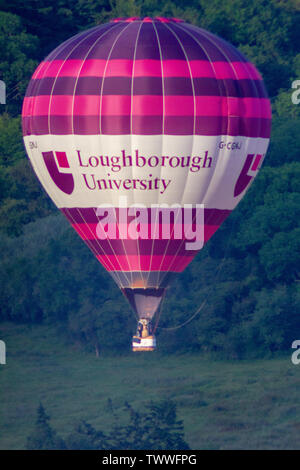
x,y
224,404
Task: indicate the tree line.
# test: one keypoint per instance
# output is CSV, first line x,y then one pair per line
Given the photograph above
x,y
155,428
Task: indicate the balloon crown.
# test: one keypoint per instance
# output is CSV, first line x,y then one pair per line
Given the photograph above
x,y
147,19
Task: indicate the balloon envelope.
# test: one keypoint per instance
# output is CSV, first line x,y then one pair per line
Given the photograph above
x,y
132,123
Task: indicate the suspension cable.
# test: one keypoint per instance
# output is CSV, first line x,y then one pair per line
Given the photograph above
x,y
199,309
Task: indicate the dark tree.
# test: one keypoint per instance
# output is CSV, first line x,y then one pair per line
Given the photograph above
x,y
154,428
85,437
43,436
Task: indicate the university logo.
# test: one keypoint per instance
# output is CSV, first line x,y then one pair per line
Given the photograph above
x,y
249,170
64,181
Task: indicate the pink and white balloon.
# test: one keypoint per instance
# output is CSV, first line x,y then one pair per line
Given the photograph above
x,y
155,112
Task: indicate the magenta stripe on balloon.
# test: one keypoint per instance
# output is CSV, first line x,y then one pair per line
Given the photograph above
x,y
146,86
148,105
201,86
141,247
147,68
145,262
88,214
88,231
148,125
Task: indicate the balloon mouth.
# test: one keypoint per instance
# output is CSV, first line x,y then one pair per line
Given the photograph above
x,y
144,302
139,284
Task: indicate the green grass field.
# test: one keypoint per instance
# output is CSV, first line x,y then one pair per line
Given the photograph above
x,y
224,404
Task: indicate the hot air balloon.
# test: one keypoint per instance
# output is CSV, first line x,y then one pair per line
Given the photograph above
x,y
133,125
